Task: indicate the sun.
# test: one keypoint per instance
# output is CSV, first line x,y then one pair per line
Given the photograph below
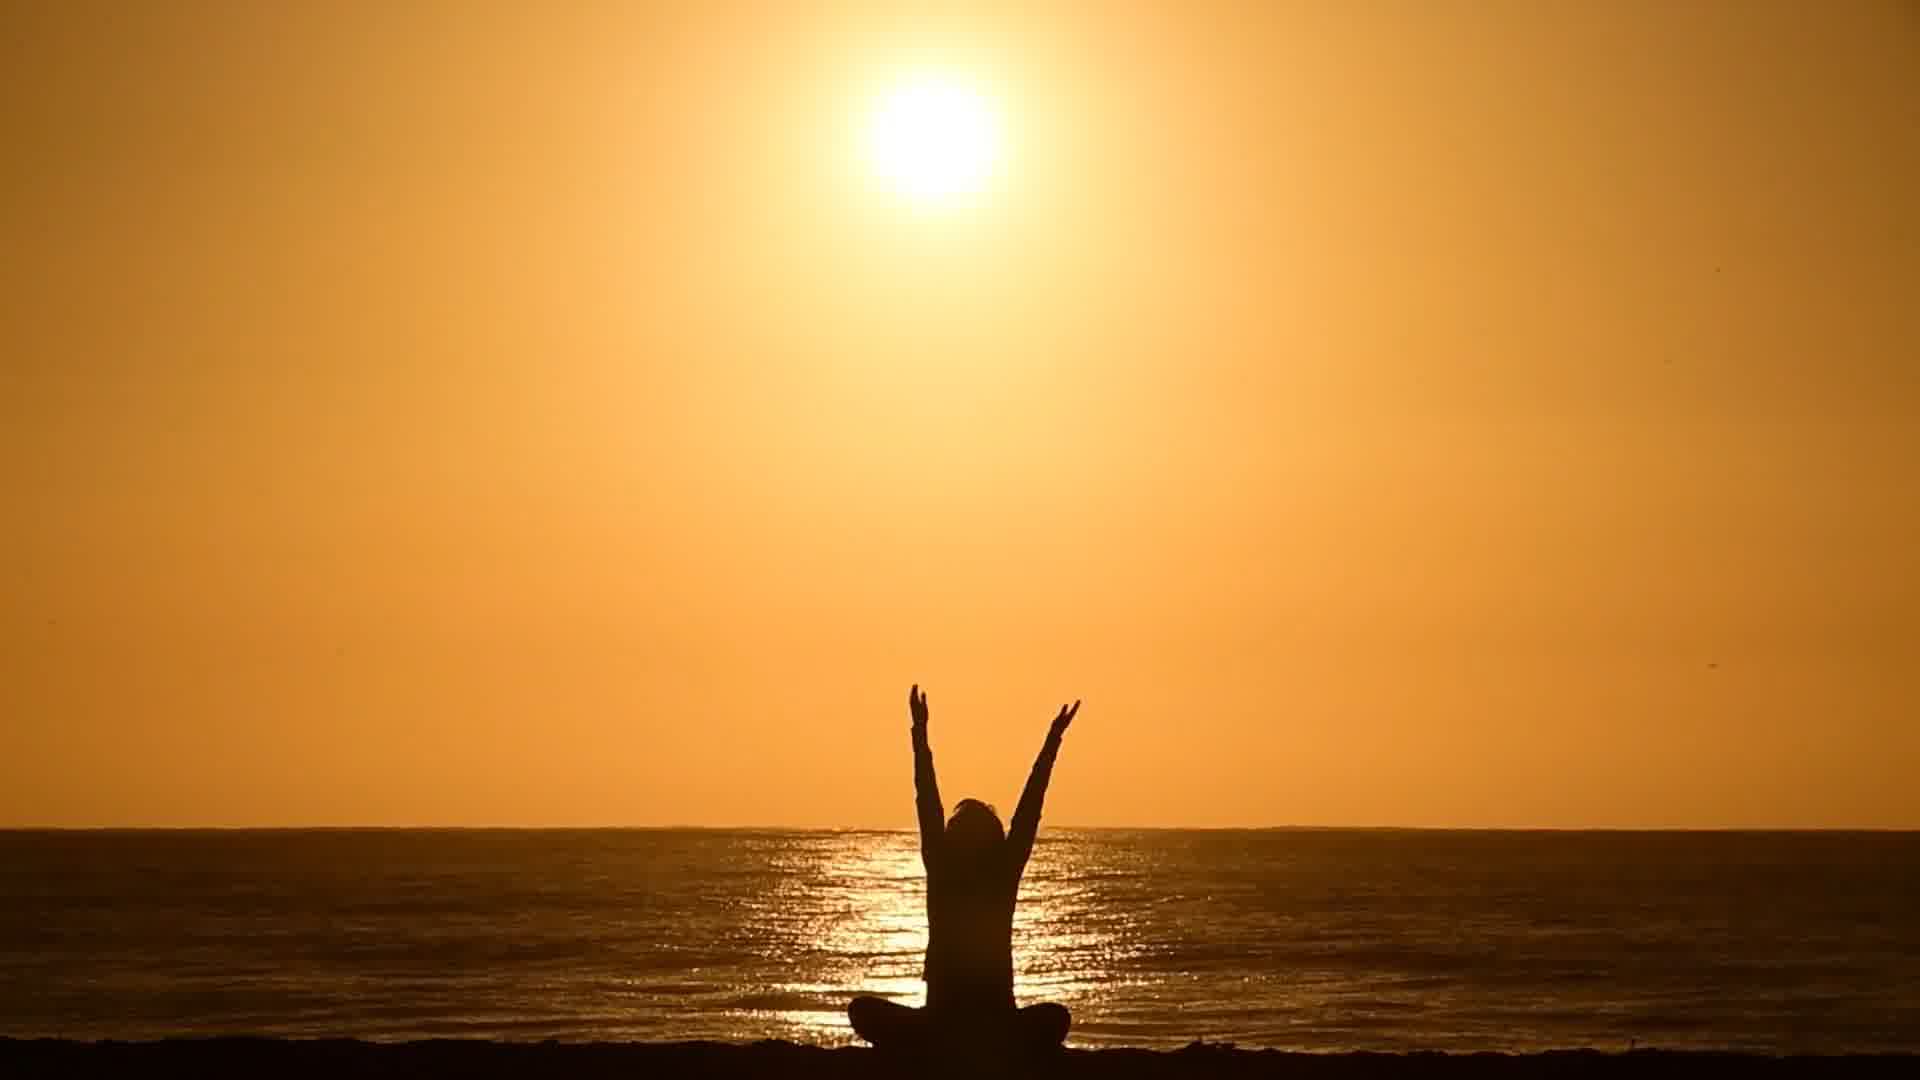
x,y
934,140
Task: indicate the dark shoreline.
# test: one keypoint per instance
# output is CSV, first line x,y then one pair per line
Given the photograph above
x,y
288,1059
1631,830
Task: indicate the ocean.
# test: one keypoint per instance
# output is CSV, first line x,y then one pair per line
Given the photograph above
x,y
1300,939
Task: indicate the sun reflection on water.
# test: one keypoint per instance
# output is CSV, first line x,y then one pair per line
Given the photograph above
x,y
854,920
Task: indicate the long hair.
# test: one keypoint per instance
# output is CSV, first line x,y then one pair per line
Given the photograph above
x,y
974,831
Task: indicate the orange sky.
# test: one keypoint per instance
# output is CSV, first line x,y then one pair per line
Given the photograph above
x,y
1424,414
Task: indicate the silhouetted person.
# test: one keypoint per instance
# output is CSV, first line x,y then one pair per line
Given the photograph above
x,y
973,879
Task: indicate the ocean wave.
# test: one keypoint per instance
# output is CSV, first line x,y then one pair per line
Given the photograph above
x,y
1315,940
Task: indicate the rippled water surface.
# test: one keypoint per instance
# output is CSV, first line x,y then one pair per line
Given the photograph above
x,y
1306,939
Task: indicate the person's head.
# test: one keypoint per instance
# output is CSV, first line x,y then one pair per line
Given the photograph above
x,y
974,829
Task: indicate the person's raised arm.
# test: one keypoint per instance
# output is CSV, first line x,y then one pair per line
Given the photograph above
x,y
926,789
1026,818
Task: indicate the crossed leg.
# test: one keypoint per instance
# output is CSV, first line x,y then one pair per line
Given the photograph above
x,y
1042,1027
889,1025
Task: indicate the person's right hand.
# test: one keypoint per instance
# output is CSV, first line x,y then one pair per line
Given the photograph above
x,y
917,704
1067,713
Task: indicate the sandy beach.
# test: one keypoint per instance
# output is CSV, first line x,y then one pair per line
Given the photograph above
x,y
286,1059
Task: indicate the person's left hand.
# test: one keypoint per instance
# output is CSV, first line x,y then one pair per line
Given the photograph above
x,y
917,705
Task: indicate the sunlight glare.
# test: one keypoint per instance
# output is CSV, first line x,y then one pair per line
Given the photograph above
x,y
932,140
